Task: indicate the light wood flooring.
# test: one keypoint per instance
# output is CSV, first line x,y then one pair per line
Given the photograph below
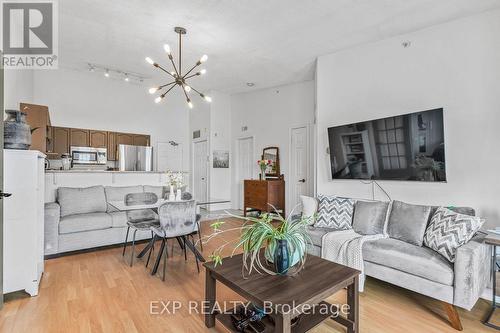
x,y
99,292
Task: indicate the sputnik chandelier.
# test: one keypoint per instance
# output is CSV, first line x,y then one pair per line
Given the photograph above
x,y
179,78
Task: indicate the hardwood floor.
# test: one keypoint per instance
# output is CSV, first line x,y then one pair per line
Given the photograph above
x,y
99,292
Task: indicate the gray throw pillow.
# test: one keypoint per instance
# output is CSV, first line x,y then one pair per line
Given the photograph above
x,y
334,212
449,230
407,222
369,217
74,200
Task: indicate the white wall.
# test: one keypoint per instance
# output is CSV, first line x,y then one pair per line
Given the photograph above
x,y
88,100
18,87
220,139
455,66
269,115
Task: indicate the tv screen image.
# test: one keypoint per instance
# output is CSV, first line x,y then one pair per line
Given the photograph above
x,y
403,147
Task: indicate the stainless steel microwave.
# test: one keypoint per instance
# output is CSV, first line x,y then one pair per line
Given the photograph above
x,y
88,155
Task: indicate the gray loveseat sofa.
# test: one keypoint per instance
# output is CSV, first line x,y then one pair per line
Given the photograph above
x,y
403,260
81,218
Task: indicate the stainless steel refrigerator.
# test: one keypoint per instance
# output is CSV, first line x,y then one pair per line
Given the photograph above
x,y
135,158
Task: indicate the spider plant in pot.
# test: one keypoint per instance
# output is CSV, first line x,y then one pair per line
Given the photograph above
x,y
284,243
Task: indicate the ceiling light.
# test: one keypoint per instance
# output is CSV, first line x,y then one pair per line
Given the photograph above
x,y
126,78
106,74
177,74
250,84
166,47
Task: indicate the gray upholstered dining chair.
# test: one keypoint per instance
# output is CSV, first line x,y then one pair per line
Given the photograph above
x,y
141,219
189,196
177,220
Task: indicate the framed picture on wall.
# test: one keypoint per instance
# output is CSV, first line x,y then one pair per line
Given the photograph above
x,y
221,159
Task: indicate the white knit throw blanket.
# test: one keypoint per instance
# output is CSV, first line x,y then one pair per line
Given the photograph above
x,y
345,247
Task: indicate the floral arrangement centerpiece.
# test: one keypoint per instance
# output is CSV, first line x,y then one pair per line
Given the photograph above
x,y
175,180
275,248
263,164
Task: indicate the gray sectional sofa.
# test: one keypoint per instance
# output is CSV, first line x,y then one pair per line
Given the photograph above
x,y
404,261
81,218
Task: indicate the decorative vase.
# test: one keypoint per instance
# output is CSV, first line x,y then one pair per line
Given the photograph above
x,y
178,196
263,172
171,196
281,257
17,133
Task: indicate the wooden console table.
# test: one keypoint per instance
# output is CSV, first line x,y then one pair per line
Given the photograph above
x,y
317,281
262,195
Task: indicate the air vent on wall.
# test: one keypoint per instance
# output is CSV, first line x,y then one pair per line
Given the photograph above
x,y
196,134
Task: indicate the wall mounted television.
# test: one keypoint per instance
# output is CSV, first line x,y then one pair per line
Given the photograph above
x,y
403,147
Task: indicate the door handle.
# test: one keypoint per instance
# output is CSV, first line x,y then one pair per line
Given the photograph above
x,y
4,195
302,181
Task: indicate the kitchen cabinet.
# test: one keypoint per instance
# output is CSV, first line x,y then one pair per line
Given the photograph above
x,y
124,139
98,139
111,146
79,137
37,116
60,142
141,140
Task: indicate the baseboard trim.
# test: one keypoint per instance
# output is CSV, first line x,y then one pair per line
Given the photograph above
x,y
92,249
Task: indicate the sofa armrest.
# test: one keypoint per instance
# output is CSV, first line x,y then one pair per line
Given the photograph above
x,y
472,272
51,224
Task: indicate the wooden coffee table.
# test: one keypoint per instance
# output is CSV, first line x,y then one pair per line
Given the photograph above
x,y
316,282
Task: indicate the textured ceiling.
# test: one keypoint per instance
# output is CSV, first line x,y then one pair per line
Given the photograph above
x,y
266,42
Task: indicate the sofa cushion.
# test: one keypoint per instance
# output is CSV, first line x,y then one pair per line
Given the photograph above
x,y
334,212
158,190
448,230
81,200
416,260
119,219
84,222
117,193
407,222
369,217
309,208
317,234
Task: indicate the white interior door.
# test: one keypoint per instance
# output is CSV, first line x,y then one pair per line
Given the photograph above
x,y
200,171
299,163
245,165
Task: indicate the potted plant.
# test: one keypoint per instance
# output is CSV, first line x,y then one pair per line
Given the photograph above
x,y
284,243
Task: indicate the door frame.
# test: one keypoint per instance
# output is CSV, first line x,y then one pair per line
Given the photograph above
x,y
237,165
309,167
193,143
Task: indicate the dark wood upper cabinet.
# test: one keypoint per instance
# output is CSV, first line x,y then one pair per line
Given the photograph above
x,y
98,139
60,141
79,137
111,146
37,116
141,140
124,139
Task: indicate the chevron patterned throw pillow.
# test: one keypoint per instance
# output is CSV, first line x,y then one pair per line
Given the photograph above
x,y
334,212
448,230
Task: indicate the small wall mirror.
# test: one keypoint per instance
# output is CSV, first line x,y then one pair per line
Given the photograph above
x,y
272,154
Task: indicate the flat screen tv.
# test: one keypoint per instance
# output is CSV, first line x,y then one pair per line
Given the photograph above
x,y
403,147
